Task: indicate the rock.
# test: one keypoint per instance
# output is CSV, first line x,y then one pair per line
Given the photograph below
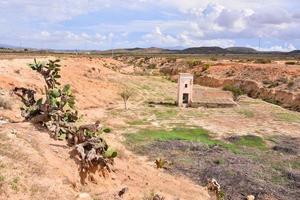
x,y
158,197
13,131
213,185
123,191
250,197
84,196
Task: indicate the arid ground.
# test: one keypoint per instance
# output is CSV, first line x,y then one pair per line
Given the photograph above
x,y
250,149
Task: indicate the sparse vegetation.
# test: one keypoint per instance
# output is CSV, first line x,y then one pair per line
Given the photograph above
x,y
263,61
208,157
160,163
2,178
107,130
152,66
195,135
126,94
166,114
287,117
14,184
205,67
236,91
137,122
290,63
193,63
246,113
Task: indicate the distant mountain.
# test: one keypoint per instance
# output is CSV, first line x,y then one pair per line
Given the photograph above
x,y
192,50
6,46
155,50
241,49
139,50
295,52
203,50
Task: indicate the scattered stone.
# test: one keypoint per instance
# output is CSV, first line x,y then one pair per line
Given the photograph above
x,y
123,191
12,134
158,197
13,131
84,196
213,185
250,197
3,122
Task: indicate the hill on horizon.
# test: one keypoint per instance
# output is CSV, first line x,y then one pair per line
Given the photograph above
x,y
157,50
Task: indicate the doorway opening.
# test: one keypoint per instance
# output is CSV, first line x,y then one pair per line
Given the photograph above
x,y
185,98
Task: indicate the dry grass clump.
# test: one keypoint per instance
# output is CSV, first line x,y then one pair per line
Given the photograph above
x,y
5,103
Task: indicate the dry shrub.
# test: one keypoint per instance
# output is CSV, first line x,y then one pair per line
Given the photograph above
x,y
5,103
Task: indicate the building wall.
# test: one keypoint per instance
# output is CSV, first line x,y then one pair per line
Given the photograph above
x,y
185,86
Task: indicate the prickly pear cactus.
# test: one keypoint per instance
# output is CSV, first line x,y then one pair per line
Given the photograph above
x,y
57,111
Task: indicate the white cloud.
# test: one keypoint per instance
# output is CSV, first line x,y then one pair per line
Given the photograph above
x,y
60,39
184,39
57,10
285,48
175,23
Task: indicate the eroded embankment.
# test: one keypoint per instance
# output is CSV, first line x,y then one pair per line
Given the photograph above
x,y
253,89
275,83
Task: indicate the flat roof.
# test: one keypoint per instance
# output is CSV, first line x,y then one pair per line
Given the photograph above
x,y
186,74
212,96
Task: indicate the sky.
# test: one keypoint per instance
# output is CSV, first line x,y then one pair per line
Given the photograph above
x,y
106,24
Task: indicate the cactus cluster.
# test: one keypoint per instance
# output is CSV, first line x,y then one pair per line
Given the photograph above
x,y
58,113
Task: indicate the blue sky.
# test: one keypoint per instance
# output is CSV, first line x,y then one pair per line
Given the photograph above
x,y
105,24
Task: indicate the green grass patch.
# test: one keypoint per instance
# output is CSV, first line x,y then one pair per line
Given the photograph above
x,y
193,135
166,113
288,117
146,87
295,164
235,90
246,113
107,130
200,135
2,178
14,184
250,141
138,122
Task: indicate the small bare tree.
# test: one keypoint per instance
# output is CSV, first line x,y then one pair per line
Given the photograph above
x,y
126,94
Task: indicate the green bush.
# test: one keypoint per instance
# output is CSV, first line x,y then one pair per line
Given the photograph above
x,y
107,130
205,67
152,66
236,91
193,63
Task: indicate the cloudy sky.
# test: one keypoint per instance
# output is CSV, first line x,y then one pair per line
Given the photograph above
x,y
105,24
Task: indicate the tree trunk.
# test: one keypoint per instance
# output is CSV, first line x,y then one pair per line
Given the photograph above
x,y
125,104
